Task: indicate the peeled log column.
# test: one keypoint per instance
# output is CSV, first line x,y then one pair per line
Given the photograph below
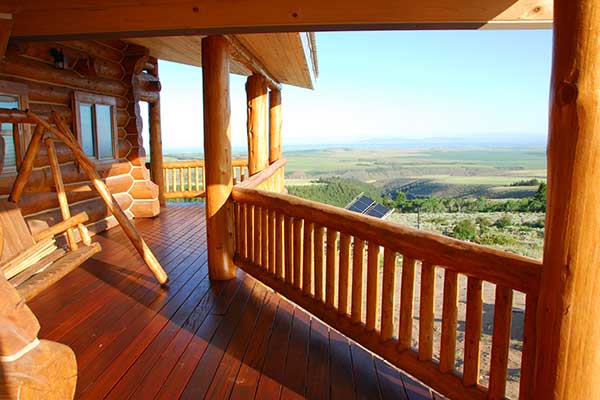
x,y
274,125
568,330
156,157
256,92
217,154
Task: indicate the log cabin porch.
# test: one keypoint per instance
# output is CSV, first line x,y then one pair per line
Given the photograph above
x,y
219,339
196,336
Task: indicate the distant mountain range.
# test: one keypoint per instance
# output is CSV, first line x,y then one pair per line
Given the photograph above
x,y
494,140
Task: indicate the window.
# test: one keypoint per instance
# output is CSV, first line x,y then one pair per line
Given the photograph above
x,y
12,136
95,124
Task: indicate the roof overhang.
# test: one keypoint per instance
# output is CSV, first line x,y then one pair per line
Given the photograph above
x,y
282,57
141,18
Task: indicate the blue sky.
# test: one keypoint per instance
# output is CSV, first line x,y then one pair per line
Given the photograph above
x,y
391,85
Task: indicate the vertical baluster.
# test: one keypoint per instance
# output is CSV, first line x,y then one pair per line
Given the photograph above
x,y
426,314
358,256
288,252
529,344
407,295
166,179
372,284
449,320
243,249
271,257
242,175
500,342
258,236
236,228
181,179
197,178
344,273
203,178
472,332
265,239
298,253
235,175
307,258
250,227
319,278
331,270
279,261
189,179
388,293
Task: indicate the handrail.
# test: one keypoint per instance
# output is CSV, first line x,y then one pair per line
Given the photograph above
x,y
185,179
499,267
262,177
327,260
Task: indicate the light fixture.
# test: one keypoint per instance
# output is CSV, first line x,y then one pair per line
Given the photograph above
x,y
59,58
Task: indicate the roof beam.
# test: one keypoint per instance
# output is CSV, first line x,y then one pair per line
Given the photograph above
x,y
247,59
134,18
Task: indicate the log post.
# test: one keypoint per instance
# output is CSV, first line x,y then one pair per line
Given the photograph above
x,y
217,154
156,156
568,329
274,125
256,94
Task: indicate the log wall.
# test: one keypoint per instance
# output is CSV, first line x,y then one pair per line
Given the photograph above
x,y
111,68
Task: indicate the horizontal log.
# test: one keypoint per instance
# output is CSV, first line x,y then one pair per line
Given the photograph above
x,y
259,178
198,163
61,226
150,97
499,267
42,51
147,82
48,93
37,70
96,48
427,372
32,203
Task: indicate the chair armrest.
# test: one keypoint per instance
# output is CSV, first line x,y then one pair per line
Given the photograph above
x,y
61,226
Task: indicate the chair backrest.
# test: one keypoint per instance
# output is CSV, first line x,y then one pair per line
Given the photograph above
x,y
17,236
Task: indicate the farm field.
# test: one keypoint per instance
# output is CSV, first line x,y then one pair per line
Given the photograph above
x,y
452,172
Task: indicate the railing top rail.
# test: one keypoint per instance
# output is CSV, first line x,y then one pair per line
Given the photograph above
x,y
199,163
499,267
258,178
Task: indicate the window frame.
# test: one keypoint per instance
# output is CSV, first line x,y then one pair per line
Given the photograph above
x,y
20,90
96,99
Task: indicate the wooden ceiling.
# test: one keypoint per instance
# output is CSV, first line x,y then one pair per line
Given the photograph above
x,y
285,56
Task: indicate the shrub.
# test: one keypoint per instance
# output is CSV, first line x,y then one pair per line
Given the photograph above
x,y
484,224
503,222
497,239
464,230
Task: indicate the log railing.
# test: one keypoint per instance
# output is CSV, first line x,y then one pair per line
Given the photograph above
x,y
330,262
185,179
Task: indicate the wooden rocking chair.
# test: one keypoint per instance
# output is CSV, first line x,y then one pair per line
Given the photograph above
x,y
32,263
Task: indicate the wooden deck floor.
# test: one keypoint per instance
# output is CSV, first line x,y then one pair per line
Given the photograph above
x,y
197,338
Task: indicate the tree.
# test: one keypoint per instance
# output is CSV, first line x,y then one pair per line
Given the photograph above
x,y
401,200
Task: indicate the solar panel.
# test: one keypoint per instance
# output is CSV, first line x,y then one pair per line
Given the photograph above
x,y
378,211
360,204
367,206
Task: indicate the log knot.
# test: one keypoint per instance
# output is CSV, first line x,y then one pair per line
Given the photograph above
x,y
567,93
